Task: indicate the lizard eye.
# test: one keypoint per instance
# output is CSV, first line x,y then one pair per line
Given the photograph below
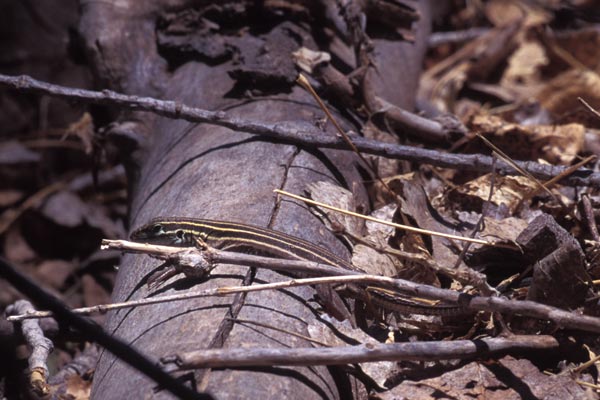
x,y
156,229
180,234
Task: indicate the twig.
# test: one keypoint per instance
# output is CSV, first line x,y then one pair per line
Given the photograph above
x,y
532,309
421,351
94,333
596,113
588,214
39,345
466,276
389,223
539,185
558,177
290,132
455,37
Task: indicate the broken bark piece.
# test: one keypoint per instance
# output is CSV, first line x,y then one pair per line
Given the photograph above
x,y
559,275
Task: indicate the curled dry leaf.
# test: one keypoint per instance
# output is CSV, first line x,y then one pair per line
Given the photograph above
x,y
557,144
307,59
477,60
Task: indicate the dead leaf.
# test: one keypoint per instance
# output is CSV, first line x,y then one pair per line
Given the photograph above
x,y
307,59
54,272
67,209
505,12
93,293
524,66
380,233
508,192
505,379
557,144
16,248
559,95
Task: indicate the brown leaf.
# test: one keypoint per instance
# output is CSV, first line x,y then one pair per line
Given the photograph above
x,y
16,248
93,293
505,12
555,144
307,59
524,67
66,209
54,272
508,191
505,379
559,95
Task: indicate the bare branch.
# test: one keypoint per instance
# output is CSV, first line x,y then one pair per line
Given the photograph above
x,y
421,351
288,131
562,318
40,347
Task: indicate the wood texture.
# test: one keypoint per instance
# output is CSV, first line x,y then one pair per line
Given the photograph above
x,y
182,169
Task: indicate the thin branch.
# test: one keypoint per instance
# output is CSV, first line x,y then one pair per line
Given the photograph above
x,y
289,131
588,216
39,345
372,352
592,109
562,318
455,37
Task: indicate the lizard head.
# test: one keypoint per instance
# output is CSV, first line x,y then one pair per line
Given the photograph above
x,y
162,231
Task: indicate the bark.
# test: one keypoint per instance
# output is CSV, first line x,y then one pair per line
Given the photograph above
x,y
198,170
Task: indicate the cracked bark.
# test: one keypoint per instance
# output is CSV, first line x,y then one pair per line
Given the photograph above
x,y
182,169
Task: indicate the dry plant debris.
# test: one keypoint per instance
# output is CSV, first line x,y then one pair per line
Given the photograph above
x,y
516,82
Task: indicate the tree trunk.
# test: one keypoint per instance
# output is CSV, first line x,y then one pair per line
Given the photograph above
x,y
205,171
